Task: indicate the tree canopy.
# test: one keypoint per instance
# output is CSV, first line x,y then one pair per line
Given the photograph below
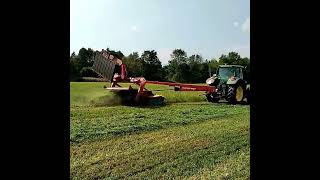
x,y
180,67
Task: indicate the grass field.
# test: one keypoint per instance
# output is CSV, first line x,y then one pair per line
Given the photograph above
x,y
188,138
93,94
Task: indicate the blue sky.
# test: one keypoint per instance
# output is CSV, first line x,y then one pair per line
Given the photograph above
x,y
205,27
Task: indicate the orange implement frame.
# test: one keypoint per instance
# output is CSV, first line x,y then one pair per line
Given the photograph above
x,y
141,82
105,62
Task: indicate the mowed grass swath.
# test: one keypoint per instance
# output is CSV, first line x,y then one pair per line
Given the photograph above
x,y
188,138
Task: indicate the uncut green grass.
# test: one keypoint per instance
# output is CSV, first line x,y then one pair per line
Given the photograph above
x,y
184,140
93,94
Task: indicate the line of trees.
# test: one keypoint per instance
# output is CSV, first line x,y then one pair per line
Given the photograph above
x,y
180,68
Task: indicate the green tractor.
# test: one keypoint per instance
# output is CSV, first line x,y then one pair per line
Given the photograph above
x,y
231,84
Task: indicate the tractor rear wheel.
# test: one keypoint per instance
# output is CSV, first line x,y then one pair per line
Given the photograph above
x,y
235,94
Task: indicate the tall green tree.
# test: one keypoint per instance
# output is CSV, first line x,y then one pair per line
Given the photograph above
x,y
74,70
85,57
213,64
195,67
181,68
134,65
233,58
152,65
178,69
178,56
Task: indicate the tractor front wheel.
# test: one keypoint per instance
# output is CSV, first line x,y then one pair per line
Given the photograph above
x,y
235,94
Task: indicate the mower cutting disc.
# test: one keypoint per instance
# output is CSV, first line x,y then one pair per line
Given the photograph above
x,y
128,96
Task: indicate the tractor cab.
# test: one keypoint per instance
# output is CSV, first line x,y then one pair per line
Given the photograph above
x,y
225,72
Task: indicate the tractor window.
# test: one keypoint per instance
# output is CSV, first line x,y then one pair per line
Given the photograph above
x,y
227,72
237,72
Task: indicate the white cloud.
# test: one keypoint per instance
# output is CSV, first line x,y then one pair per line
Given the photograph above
x,y
236,24
246,25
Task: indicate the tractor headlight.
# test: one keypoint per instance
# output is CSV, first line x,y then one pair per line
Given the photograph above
x,y
210,81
